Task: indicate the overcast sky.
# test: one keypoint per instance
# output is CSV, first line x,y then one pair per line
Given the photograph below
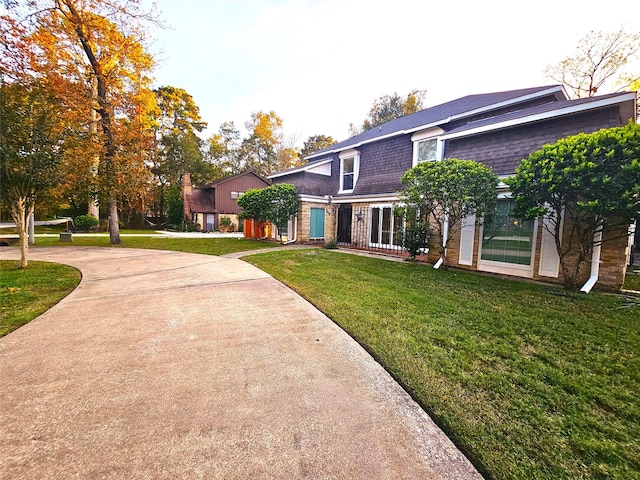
x,y
320,64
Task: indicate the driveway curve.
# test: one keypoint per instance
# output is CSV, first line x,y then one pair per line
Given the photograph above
x,y
167,365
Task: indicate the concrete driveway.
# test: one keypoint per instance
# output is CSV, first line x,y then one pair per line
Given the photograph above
x,y
167,365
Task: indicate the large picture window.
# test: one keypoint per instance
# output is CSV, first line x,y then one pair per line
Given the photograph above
x,y
507,241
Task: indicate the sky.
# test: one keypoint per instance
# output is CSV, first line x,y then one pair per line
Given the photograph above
x,y
320,64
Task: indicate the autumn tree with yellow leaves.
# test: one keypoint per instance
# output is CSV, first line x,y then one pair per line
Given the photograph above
x,y
91,54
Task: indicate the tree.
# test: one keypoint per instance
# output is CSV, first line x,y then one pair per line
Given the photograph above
x,y
178,147
223,149
390,107
259,150
315,143
276,204
446,192
596,61
31,151
96,46
586,182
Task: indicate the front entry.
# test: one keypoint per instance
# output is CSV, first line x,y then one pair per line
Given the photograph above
x,y
344,224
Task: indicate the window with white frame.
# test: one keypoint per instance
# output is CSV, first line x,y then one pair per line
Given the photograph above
x,y
507,242
426,146
349,169
426,150
386,226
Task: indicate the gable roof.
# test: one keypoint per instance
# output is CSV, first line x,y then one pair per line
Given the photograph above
x,y
445,113
232,177
201,201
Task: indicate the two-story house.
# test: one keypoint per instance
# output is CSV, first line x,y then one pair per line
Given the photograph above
x,y
207,204
348,190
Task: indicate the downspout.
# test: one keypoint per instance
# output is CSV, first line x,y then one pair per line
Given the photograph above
x,y
595,261
439,156
295,231
445,236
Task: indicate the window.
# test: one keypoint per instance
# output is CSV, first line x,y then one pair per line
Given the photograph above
x,y
426,146
385,226
507,242
235,194
317,224
426,150
349,169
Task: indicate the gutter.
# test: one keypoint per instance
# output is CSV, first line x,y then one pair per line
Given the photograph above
x,y
595,261
445,235
295,231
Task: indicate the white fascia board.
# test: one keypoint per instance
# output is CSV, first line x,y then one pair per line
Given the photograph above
x,y
304,168
388,197
314,198
542,116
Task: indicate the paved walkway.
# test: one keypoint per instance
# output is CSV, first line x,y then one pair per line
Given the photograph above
x,y
167,365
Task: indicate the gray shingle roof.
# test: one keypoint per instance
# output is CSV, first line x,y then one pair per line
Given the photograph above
x,y
437,115
531,112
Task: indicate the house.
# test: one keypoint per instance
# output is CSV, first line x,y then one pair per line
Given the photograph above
x,y
348,190
206,205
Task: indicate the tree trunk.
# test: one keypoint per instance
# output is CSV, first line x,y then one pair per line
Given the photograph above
x,y
114,226
20,214
93,207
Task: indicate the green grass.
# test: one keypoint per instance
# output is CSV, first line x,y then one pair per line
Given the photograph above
x,y
529,381
632,279
210,246
26,293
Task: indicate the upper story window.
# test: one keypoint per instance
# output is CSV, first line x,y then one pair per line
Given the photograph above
x,y
426,150
426,146
349,170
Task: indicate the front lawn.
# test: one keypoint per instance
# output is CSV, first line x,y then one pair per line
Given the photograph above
x,y
529,381
209,246
25,293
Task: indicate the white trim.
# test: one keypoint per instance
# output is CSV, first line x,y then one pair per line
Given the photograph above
x,y
305,168
467,239
366,199
349,154
549,259
313,198
426,134
543,116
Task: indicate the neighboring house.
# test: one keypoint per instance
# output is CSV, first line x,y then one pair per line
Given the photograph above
x,y
207,204
347,191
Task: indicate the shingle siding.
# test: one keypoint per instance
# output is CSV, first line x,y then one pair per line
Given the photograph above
x,y
382,164
308,183
503,150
